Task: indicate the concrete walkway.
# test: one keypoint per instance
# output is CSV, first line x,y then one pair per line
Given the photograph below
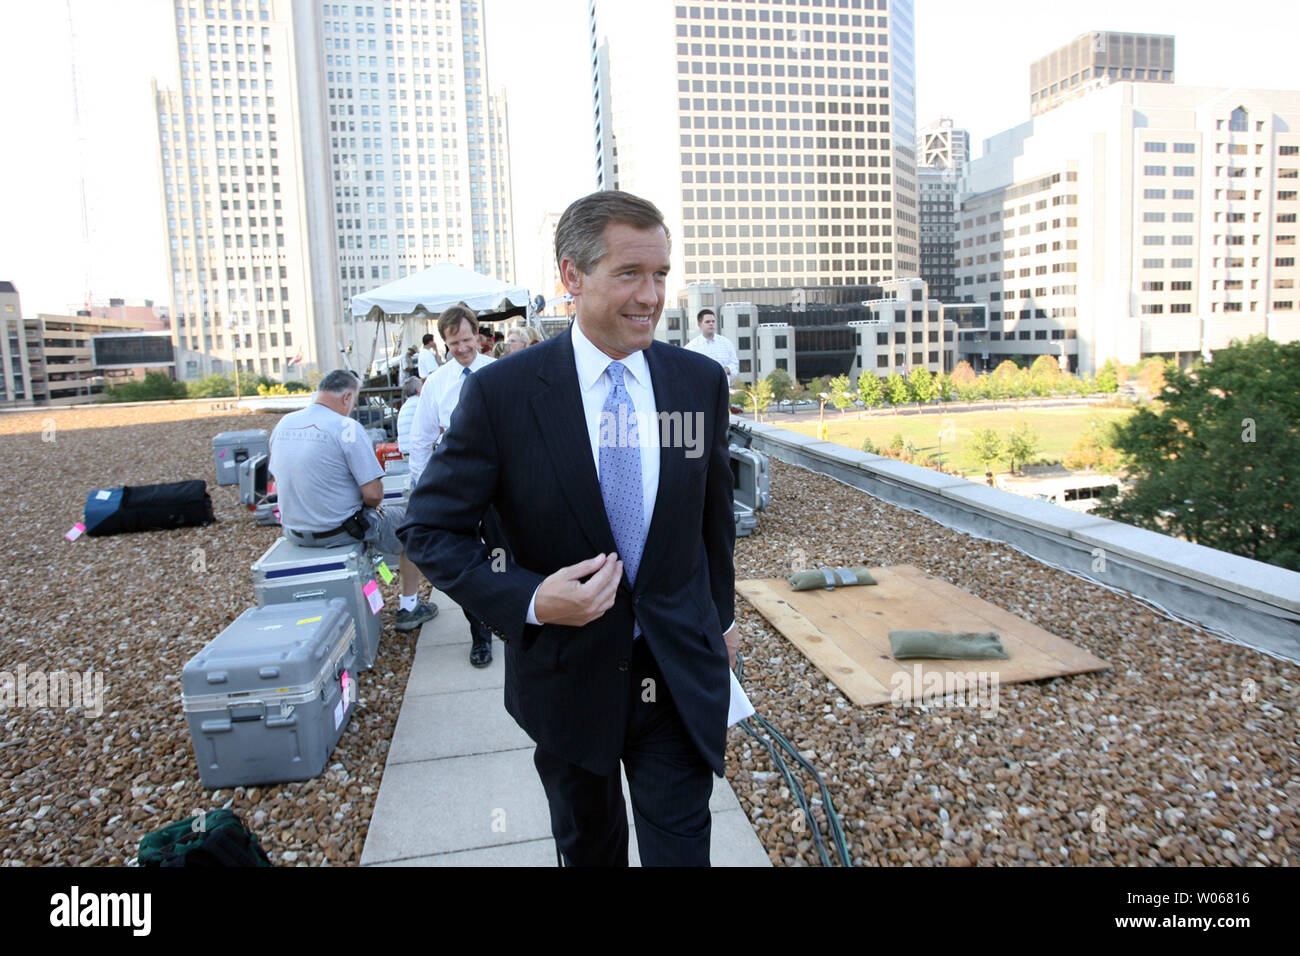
x,y
460,788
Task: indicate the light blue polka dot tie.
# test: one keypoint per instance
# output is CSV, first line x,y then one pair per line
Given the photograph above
x,y
620,472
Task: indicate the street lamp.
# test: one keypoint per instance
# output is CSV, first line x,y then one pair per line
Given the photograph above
x,y
234,349
822,430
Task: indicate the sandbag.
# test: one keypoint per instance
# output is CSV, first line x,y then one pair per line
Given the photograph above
x,y
180,504
947,645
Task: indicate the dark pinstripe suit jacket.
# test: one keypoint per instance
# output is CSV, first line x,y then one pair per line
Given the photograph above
x,y
518,443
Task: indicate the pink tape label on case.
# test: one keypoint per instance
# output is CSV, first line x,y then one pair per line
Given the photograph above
x,y
371,591
75,531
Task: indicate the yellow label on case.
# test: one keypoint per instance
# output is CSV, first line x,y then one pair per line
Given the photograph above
x,y
384,573
310,620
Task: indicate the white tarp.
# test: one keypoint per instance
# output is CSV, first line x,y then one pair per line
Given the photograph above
x,y
436,289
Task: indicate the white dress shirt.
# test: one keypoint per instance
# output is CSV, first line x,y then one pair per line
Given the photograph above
x,y
718,348
437,400
428,362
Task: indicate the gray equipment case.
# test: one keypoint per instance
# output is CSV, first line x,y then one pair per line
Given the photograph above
x,y
231,448
268,698
253,484
397,489
750,472
289,573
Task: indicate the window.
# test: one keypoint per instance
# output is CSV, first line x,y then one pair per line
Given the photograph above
x,y
1155,147
1153,240
1153,263
1153,217
1239,122
1184,170
1184,194
1184,147
1153,170
1153,286
1153,309
1182,285
1180,307
1180,263
1153,194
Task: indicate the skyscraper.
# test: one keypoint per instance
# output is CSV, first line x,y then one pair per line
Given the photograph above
x,y
427,180
942,152
786,156
279,209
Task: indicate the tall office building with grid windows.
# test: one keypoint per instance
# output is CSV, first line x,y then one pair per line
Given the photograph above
x,y
312,151
786,157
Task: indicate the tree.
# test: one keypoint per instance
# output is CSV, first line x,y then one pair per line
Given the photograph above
x,y
217,385
963,374
920,384
896,390
841,393
870,390
1111,376
756,397
1151,376
155,386
985,446
869,446
1045,376
1094,449
965,383
1022,444
1214,463
1046,366
816,387
943,387
779,382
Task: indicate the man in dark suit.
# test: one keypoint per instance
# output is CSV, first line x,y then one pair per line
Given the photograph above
x,y
604,457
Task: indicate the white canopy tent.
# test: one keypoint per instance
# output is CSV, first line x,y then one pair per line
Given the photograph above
x,y
431,291
438,287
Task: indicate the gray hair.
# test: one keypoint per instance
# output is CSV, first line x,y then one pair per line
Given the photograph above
x,y
580,233
412,387
341,381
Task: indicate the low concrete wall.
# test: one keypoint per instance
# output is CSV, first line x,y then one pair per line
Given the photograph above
x,y
1254,603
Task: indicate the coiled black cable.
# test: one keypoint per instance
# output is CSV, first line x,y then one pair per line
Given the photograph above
x,y
834,825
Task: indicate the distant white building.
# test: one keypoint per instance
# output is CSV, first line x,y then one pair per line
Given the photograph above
x,y
1139,219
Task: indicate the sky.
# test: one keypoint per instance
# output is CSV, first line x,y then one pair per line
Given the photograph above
x,y
972,65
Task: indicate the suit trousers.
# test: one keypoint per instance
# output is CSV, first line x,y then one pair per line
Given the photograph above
x,y
669,781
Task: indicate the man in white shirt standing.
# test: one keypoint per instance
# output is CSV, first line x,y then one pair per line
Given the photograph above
x,y
406,417
428,357
458,327
716,347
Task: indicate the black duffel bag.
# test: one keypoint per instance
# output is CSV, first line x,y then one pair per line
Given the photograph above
x,y
180,504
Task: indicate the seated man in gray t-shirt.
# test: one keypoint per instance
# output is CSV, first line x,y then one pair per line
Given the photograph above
x,y
325,471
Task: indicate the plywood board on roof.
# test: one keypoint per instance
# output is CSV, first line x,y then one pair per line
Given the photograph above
x,y
845,633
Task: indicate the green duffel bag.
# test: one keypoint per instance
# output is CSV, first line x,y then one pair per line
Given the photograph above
x,y
214,839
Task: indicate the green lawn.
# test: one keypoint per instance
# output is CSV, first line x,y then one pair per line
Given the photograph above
x,y
1058,429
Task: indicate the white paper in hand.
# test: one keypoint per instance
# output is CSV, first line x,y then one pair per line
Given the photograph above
x,y
740,708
